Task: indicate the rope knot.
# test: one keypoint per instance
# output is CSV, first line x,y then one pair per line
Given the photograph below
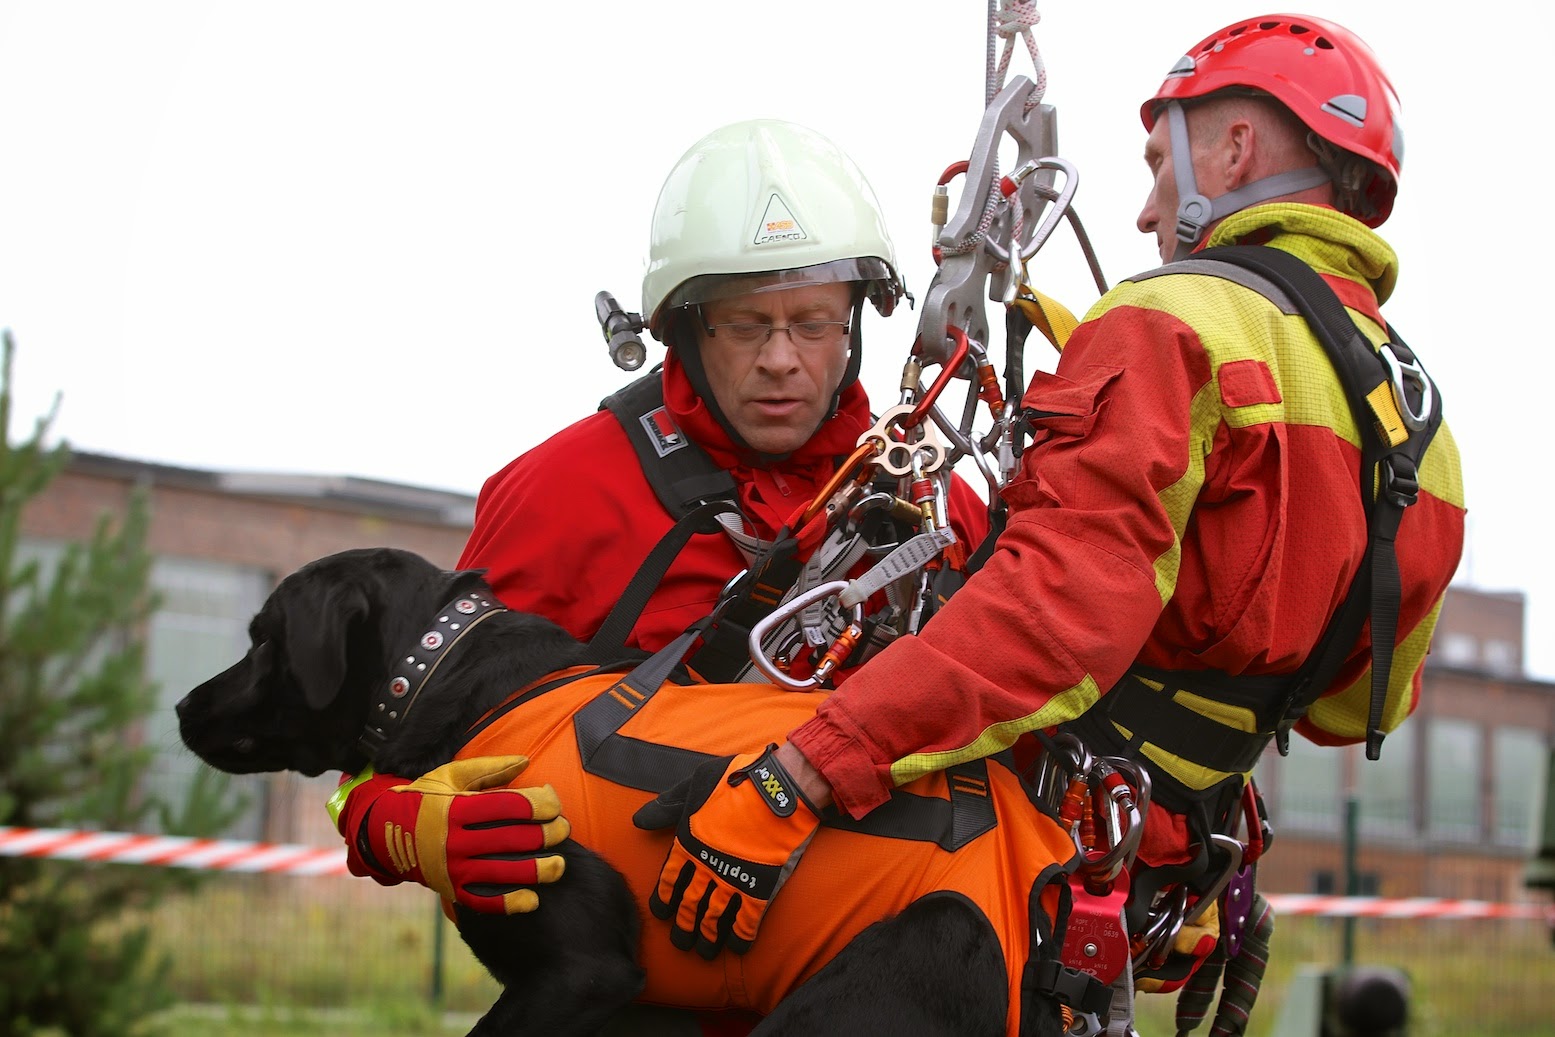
x,y
1017,17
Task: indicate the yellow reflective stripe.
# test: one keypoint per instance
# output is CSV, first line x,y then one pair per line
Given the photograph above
x,y
1194,776
1066,705
1441,471
1178,498
1344,713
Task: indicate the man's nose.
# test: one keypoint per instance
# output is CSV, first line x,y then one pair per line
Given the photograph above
x,y
1147,220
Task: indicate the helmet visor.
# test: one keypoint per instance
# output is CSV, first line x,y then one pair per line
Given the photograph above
x,y
707,287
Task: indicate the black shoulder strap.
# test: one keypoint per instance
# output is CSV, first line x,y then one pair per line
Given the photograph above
x,y
1397,411
610,639
680,472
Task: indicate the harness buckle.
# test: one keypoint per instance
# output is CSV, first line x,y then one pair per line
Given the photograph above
x,y
1400,482
1194,214
1079,990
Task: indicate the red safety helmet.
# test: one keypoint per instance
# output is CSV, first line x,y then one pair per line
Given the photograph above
x,y
1321,71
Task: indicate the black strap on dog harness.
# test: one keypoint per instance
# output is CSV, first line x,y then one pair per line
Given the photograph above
x,y
1397,411
653,767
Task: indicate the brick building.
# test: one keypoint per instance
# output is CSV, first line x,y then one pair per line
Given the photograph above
x,y
1449,810
221,541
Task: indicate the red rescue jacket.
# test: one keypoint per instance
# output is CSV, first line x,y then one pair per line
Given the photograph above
x,y
563,528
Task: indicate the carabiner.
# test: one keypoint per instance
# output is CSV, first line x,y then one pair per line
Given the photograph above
x,y
782,614
1400,370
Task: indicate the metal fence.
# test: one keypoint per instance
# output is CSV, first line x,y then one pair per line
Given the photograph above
x,y
282,927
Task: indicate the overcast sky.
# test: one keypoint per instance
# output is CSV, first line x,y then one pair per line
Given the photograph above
x,y
364,238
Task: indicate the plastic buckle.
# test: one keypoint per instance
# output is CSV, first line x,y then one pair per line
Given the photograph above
x,y
1079,990
1400,480
1193,215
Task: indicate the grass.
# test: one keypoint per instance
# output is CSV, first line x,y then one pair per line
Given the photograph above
x,y
300,957
405,1021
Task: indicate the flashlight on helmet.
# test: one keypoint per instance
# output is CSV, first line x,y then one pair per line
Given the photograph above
x,y
620,330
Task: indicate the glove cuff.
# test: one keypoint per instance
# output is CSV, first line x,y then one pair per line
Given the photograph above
x,y
351,806
779,791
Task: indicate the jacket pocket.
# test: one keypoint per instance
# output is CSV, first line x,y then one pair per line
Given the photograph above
x,y
1060,406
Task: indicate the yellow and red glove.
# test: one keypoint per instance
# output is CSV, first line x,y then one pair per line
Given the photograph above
x,y
741,825
458,830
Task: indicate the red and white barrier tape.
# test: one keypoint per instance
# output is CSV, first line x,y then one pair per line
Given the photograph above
x,y
1400,907
281,859
170,851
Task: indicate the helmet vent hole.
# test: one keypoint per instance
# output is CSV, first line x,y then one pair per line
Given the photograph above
x,y
1322,43
1299,30
1266,26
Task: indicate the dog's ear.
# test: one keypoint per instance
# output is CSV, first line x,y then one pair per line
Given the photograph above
x,y
318,629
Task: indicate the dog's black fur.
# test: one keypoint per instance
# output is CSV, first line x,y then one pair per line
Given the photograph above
x,y
299,700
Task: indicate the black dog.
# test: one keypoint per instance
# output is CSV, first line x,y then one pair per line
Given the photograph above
x,y
925,960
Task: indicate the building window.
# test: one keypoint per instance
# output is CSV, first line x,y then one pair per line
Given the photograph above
x,y
1458,649
1310,779
1453,781
1520,757
200,629
1385,787
1501,658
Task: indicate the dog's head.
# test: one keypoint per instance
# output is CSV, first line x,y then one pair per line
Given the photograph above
x,y
320,645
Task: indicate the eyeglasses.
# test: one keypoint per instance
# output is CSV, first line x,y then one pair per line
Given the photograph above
x,y
800,333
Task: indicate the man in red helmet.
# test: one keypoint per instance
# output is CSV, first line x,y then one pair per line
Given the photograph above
x,y
1185,525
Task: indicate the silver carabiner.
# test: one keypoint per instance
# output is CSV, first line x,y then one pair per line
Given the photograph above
x,y
782,614
1398,372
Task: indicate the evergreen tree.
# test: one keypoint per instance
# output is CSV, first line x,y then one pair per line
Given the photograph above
x,y
75,955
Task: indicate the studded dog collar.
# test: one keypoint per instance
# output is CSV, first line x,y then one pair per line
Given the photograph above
x,y
412,672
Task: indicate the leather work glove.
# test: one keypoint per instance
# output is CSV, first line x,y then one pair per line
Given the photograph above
x,y
456,830
740,826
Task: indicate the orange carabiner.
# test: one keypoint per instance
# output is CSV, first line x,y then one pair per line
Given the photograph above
x,y
844,471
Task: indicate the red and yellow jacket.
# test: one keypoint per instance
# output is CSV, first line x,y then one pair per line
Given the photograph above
x,y
1190,501
970,832
562,529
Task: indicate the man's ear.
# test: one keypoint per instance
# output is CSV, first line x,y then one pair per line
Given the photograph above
x,y
318,630
1239,146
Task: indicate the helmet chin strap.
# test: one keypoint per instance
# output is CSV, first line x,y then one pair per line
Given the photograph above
x,y
1195,213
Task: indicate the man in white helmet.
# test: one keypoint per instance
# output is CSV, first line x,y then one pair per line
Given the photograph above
x,y
766,244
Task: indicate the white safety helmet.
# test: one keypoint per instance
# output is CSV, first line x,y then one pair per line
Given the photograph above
x,y
764,205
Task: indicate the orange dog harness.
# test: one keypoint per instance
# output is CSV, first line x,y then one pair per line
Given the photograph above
x,y
608,748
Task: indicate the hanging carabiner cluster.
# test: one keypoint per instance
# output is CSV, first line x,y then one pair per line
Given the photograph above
x,y
896,480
